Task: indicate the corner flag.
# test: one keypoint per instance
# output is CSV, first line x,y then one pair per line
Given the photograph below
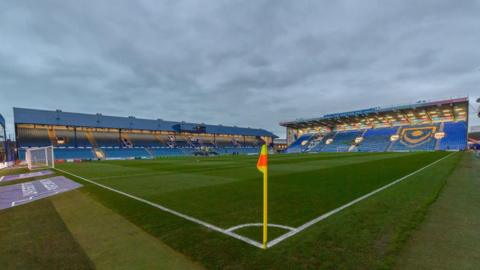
x,y
262,166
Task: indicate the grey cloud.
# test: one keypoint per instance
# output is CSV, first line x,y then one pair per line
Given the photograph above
x,y
246,63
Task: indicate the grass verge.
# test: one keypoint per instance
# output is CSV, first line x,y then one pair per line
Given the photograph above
x,y
33,236
449,238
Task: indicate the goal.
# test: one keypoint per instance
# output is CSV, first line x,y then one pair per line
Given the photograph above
x,y
40,157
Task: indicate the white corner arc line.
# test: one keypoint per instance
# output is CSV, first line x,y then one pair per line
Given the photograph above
x,y
328,214
234,228
173,212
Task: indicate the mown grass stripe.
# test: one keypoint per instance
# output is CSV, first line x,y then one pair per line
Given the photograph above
x,y
173,212
326,215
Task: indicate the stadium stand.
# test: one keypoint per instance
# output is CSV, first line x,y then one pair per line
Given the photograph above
x,y
342,141
80,139
146,140
65,137
159,152
318,142
126,152
94,136
423,126
377,139
107,139
300,144
455,136
33,137
75,153
416,138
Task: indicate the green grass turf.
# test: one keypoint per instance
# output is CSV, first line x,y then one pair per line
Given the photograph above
x,y
226,191
449,237
33,236
110,241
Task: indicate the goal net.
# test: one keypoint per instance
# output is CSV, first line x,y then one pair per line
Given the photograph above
x,y
41,157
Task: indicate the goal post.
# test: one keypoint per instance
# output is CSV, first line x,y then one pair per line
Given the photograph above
x,y
40,157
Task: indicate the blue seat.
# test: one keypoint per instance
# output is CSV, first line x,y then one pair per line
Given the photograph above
x,y
455,136
416,138
73,153
165,152
125,152
300,144
342,141
29,137
377,139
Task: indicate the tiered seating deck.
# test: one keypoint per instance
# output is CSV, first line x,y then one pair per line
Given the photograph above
x,y
342,141
455,136
377,139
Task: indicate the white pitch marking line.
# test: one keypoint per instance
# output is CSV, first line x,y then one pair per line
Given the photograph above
x,y
288,228
192,219
1,178
326,215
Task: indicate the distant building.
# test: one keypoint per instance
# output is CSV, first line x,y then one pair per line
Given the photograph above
x,y
280,145
474,137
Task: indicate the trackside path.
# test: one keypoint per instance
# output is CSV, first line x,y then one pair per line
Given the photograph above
x,y
449,238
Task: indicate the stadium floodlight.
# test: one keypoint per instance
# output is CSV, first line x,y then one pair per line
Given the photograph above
x,y
40,157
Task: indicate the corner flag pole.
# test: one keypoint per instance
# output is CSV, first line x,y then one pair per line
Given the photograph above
x,y
265,208
262,165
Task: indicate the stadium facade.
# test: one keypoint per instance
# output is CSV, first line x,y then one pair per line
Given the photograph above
x,y
423,126
96,136
3,143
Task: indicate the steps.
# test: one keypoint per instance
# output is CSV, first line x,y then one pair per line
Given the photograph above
x,y
160,139
91,139
98,153
52,136
389,148
149,151
126,141
438,142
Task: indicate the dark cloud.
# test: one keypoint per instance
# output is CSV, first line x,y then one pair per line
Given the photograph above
x,y
246,63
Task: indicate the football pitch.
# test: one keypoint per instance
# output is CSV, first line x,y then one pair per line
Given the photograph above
x,y
210,208
329,211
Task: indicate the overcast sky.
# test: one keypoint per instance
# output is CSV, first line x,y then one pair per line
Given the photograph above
x,y
245,63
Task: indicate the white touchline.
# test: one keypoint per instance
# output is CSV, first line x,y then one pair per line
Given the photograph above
x,y
192,219
326,215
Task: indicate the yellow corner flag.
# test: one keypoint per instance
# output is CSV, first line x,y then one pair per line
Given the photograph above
x,y
262,165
